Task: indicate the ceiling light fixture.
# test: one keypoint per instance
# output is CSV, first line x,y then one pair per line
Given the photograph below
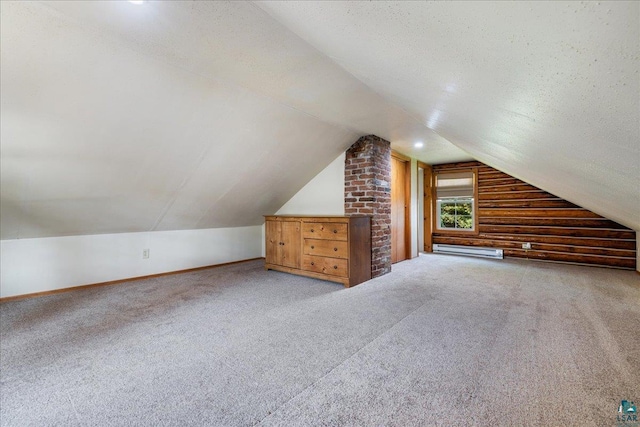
x,y
418,145
136,1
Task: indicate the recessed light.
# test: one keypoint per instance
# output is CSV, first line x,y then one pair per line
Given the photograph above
x,y
418,145
136,1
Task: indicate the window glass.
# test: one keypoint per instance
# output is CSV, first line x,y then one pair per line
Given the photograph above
x,y
454,207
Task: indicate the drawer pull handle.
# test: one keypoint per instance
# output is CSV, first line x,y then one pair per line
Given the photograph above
x,y
312,247
335,267
335,249
312,230
335,231
313,263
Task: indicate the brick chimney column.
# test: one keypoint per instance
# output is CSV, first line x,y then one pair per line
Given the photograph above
x,y
367,191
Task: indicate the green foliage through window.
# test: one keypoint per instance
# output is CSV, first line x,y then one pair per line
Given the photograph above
x,y
456,213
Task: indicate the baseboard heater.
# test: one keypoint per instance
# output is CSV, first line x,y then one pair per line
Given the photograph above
x,y
468,250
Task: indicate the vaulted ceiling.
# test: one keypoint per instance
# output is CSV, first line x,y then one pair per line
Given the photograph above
x,y
546,91
179,115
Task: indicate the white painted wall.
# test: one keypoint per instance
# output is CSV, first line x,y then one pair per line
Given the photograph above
x,y
413,212
44,264
323,195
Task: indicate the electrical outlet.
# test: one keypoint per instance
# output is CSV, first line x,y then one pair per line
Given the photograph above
x,y
145,254
526,246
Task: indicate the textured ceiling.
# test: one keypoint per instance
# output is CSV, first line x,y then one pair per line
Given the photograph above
x,y
170,115
179,115
546,91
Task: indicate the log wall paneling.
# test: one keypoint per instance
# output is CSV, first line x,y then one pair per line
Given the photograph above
x,y
512,212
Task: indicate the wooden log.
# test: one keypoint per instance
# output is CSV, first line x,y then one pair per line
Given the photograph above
x,y
554,222
558,231
538,213
484,182
579,259
563,240
459,165
490,175
538,203
536,194
507,188
502,244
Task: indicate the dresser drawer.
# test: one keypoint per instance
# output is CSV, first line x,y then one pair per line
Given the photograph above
x,y
330,248
331,266
324,230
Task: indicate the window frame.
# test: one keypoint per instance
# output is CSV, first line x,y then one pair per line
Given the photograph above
x,y
436,205
439,214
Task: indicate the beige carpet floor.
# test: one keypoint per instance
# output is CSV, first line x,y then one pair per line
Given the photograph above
x,y
442,340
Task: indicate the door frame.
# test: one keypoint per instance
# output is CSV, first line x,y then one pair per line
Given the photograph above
x,y
407,202
427,171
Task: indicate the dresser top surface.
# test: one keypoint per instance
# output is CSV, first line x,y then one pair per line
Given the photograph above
x,y
316,216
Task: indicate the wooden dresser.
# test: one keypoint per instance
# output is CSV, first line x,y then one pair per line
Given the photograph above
x,y
334,248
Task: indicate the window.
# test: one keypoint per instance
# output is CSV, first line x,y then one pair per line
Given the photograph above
x,y
455,201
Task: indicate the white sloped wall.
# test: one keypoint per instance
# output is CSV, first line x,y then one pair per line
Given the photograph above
x,y
46,264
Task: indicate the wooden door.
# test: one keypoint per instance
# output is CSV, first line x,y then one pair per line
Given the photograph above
x,y
399,209
291,247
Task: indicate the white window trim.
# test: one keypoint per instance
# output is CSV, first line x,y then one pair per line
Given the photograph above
x,y
473,215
